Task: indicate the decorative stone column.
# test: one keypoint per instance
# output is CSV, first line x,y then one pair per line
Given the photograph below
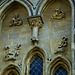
x,y
35,22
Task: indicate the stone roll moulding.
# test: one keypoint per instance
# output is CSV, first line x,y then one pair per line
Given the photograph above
x,y
59,61
31,53
11,69
5,4
35,22
35,4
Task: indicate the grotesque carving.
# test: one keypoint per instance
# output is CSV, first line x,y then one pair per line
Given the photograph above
x,y
62,45
16,21
35,23
58,14
12,53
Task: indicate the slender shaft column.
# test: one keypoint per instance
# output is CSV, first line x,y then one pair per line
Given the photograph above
x,y
35,32
35,22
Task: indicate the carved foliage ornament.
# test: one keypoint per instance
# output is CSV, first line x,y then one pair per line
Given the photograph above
x,y
62,46
58,14
35,22
16,21
12,53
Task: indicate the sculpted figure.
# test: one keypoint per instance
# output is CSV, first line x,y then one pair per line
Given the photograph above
x,y
63,42
58,14
62,45
12,53
16,21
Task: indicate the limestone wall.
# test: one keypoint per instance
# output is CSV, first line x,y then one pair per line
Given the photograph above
x,y
57,18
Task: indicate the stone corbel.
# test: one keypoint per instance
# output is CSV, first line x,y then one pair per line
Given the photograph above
x,y
35,22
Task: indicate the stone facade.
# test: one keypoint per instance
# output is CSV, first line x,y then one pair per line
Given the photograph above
x,y
31,28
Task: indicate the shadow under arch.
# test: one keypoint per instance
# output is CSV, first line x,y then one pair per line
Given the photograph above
x,y
6,7
57,62
34,51
11,68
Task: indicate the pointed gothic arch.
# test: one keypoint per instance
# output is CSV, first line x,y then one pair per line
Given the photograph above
x,y
58,62
32,54
7,6
11,69
47,2
5,11
9,13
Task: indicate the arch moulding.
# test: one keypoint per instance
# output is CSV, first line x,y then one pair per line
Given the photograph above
x,y
8,68
59,61
25,4
36,50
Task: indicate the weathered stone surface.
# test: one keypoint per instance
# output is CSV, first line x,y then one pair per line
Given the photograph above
x,y
49,35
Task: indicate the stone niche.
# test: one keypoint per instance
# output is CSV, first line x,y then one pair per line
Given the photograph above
x,y
15,27
58,23
16,34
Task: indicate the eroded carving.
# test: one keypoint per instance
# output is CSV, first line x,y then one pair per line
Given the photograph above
x,y
20,65
62,46
35,23
18,47
16,21
6,48
12,53
58,14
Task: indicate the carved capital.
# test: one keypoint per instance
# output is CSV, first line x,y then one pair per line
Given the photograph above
x,y
35,21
